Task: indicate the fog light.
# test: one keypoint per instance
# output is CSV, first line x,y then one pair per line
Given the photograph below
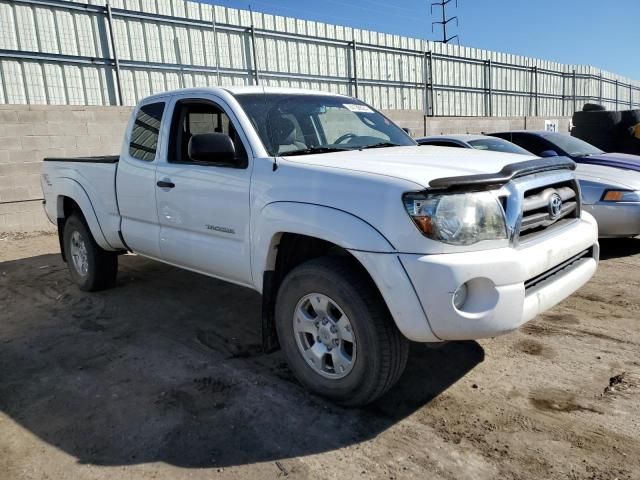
x,y
460,296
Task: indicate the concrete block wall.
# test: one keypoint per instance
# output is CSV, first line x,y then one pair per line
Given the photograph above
x,y
450,125
419,125
29,133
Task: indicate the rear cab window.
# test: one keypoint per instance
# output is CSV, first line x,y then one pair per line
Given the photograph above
x,y
146,129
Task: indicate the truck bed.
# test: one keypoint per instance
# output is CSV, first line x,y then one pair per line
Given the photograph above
x,y
92,182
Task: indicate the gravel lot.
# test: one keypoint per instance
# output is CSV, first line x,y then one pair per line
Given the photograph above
x,y
162,378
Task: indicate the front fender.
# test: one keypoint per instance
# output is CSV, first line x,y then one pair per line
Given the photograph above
x,y
326,223
67,187
367,244
592,191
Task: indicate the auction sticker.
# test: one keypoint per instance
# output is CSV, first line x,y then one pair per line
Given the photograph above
x,y
357,107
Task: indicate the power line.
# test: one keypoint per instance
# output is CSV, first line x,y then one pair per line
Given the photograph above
x,y
379,4
296,10
269,8
342,3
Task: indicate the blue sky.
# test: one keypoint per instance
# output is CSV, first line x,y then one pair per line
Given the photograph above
x,y
604,33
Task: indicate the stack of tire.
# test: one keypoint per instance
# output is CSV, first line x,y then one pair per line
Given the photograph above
x,y
608,130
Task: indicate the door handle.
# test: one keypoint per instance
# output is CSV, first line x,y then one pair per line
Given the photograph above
x,y
165,184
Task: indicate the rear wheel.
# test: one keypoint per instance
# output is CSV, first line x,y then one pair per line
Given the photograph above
x,y
630,118
92,268
337,333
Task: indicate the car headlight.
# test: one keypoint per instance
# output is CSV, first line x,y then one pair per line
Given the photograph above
x,y
458,218
621,196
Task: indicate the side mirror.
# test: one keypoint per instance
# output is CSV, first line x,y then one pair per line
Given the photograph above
x,y
549,153
212,148
407,130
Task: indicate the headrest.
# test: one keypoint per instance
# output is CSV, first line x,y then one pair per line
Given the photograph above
x,y
283,131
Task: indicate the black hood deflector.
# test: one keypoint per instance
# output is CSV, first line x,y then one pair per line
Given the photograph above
x,y
487,181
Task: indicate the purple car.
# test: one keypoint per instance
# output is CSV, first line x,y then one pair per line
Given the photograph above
x,y
552,144
610,182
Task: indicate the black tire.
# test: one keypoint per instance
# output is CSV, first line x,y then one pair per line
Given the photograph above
x,y
602,119
382,351
102,266
629,118
593,107
630,145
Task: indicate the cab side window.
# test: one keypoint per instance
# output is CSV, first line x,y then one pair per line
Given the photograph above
x,y
194,118
145,132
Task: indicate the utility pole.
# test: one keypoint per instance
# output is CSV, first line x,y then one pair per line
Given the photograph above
x,y
442,4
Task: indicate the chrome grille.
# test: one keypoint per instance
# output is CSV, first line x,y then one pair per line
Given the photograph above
x,y
523,198
549,205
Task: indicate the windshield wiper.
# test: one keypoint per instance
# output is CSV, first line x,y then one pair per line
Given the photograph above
x,y
308,151
380,145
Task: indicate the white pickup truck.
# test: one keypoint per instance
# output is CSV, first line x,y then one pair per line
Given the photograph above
x,y
357,239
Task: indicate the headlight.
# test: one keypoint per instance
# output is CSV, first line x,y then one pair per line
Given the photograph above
x,y
457,219
621,196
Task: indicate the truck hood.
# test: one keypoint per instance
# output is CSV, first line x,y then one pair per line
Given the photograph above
x,y
616,160
417,164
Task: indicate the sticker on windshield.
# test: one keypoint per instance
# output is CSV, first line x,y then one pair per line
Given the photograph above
x,y
357,107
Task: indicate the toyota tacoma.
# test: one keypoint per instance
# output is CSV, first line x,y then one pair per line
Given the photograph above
x,y
358,240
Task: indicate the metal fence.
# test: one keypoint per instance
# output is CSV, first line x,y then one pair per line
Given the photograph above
x,y
108,53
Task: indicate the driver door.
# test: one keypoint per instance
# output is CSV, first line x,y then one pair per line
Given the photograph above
x,y
203,208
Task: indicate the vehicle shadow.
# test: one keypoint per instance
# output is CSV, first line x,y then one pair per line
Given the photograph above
x,y
167,367
619,247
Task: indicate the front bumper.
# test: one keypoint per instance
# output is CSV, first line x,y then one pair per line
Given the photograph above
x,y
506,287
616,219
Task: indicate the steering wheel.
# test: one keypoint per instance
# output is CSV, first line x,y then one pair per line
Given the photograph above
x,y
346,136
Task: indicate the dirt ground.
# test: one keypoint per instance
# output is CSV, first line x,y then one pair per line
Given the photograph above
x,y
162,377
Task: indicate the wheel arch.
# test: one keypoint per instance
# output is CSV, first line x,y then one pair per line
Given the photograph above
x,y
287,234
71,198
289,250
328,224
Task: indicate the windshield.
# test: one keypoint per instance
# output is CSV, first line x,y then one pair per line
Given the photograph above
x,y
572,145
299,124
497,145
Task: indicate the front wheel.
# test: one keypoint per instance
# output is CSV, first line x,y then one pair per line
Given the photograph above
x,y
92,268
337,333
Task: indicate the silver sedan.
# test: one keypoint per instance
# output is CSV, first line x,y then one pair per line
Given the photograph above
x,y
610,194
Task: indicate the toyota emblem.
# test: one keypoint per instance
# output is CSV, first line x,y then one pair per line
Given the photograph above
x,y
555,205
